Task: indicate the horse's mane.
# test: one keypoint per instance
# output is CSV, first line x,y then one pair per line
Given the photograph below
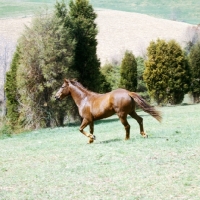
x,y
80,86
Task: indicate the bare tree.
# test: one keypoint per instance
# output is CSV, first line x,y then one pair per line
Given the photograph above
x,y
192,36
6,51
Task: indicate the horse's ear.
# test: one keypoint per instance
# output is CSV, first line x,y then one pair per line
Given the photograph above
x,y
74,79
66,81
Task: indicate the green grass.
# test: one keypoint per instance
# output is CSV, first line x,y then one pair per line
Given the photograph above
x,y
58,164
180,10
23,8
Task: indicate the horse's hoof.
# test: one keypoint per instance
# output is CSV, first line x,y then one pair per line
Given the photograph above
x,y
90,141
92,137
144,135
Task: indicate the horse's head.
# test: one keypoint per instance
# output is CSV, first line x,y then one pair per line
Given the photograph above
x,y
63,91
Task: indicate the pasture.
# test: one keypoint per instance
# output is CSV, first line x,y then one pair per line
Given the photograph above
x,y
173,10
58,164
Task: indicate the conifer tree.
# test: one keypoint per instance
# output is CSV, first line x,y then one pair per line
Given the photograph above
x,y
128,72
11,91
112,74
141,85
167,72
194,58
46,57
84,31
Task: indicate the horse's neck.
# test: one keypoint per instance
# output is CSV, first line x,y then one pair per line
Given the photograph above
x,y
78,95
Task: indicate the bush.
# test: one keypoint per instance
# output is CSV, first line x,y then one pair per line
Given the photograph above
x,y
167,73
5,129
194,58
128,72
112,75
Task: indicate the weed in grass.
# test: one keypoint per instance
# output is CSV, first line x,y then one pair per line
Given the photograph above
x,y
5,131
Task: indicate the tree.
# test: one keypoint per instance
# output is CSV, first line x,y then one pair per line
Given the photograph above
x,y
84,30
112,74
180,74
167,73
192,36
46,54
141,86
194,58
128,72
11,91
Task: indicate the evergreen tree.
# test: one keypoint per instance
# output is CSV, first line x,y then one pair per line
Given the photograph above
x,y
179,73
128,72
194,58
11,91
167,72
46,57
140,71
112,74
84,31
141,86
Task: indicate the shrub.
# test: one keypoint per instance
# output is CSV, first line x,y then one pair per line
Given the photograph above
x,y
128,72
167,73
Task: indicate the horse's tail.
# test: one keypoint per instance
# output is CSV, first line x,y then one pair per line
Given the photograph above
x,y
145,106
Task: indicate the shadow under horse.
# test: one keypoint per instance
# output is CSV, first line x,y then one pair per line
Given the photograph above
x,y
94,106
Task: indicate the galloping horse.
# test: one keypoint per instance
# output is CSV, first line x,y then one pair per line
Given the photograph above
x,y
93,106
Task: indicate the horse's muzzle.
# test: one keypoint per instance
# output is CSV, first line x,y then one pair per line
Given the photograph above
x,y
57,98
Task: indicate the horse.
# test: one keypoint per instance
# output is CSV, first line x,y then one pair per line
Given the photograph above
x,y
94,106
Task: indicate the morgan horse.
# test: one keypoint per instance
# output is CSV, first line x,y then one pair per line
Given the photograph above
x,y
94,106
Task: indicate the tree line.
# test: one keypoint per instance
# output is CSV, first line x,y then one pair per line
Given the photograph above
x,y
63,44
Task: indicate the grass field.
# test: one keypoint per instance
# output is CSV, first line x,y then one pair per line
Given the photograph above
x,y
58,164
179,10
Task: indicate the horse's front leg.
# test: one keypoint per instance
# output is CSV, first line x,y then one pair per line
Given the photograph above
x,y
85,122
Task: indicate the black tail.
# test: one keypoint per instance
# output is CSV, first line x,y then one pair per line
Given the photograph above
x,y
145,106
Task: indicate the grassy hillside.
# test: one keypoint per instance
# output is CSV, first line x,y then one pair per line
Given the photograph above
x,y
180,10
15,8
58,164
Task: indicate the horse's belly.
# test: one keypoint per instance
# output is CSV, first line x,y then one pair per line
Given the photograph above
x,y
102,109
101,115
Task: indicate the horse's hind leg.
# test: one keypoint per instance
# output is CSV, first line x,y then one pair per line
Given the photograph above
x,y
140,122
126,125
85,122
92,129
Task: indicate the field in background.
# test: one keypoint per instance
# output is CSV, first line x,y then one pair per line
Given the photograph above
x,y
22,8
187,11
58,164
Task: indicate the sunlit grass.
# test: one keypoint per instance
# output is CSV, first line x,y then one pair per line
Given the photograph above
x,y
58,164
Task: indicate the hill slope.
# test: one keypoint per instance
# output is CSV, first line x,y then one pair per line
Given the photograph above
x,y
118,31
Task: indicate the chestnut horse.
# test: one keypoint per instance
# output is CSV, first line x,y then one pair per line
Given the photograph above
x,y
93,106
